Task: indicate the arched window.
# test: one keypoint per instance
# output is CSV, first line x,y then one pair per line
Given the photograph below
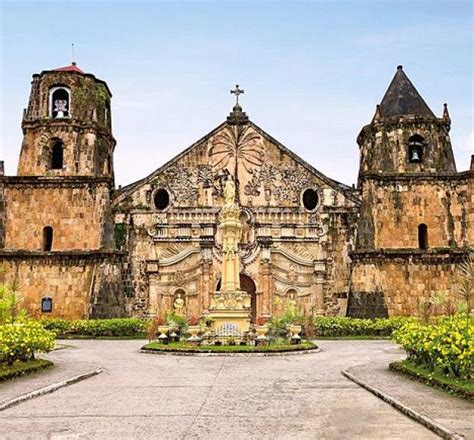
x,y
46,304
423,236
59,100
47,238
415,148
57,155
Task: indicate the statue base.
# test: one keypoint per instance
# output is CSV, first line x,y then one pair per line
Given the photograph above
x,y
230,312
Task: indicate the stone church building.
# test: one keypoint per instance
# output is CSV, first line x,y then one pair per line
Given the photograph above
x,y
79,247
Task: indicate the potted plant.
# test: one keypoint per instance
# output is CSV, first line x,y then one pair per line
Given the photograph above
x,y
294,331
193,330
163,329
261,330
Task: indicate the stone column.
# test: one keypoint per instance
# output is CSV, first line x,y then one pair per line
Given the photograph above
x,y
265,307
155,299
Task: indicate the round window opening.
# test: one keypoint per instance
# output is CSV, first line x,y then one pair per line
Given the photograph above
x,y
162,199
310,199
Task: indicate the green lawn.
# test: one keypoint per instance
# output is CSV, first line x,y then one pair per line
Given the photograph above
x,y
462,388
20,368
351,338
185,347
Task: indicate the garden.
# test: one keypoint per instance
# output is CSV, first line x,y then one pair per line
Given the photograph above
x,y
20,337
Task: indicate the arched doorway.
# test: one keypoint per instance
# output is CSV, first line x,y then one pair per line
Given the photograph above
x,y
248,285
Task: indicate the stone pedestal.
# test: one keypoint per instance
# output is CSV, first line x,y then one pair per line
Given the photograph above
x,y
230,308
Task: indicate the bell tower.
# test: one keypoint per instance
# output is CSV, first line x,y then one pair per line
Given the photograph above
x,y
67,126
404,146
65,172
413,222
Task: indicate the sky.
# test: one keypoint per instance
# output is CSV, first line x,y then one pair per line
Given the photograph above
x,y
312,71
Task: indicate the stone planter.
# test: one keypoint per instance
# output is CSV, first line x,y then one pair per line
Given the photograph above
x,y
261,331
194,332
294,331
163,330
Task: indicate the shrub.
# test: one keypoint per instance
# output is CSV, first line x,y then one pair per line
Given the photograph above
x,y
118,327
343,326
21,340
446,345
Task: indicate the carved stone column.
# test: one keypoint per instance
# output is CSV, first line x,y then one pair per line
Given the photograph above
x,y
206,286
155,295
265,305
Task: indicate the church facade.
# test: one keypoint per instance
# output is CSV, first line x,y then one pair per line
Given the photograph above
x,y
81,248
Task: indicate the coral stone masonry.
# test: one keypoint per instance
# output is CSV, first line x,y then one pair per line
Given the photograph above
x,y
155,245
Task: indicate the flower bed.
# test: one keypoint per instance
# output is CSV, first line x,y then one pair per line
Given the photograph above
x,y
21,340
184,347
445,346
97,328
20,368
342,326
460,387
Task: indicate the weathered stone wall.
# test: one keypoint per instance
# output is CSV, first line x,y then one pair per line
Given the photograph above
x,y
394,206
78,210
77,283
289,252
384,146
85,132
405,279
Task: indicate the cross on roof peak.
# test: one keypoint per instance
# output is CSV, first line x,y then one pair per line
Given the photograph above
x,y
237,91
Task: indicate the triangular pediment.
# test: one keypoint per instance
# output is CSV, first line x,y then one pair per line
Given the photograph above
x,y
269,174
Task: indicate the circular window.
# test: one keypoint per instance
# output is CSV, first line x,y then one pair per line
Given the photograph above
x,y
310,199
161,199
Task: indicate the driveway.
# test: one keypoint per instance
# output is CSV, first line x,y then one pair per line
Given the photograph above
x,y
179,397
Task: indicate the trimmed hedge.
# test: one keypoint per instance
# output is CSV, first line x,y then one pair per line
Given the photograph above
x,y
342,326
445,346
116,327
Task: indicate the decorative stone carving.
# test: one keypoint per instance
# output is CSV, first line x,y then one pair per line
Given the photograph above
x,y
284,183
230,300
234,145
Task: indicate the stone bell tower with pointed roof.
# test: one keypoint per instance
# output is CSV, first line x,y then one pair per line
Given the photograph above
x,y
414,217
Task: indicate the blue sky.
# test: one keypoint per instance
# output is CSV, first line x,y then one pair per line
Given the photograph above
x,y
312,71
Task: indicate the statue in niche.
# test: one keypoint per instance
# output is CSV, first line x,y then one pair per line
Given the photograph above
x,y
245,228
178,305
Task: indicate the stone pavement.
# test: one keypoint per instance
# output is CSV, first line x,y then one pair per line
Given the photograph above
x,y
168,397
64,369
451,412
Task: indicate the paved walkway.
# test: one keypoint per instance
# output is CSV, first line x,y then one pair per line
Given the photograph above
x,y
451,412
63,369
168,397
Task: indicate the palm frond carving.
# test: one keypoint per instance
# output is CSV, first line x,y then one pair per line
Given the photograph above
x,y
237,145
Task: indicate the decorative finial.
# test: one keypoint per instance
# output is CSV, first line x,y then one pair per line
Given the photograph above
x,y
445,112
446,118
73,55
237,91
399,67
377,115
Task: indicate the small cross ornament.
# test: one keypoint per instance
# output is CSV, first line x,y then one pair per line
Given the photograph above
x,y
237,92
